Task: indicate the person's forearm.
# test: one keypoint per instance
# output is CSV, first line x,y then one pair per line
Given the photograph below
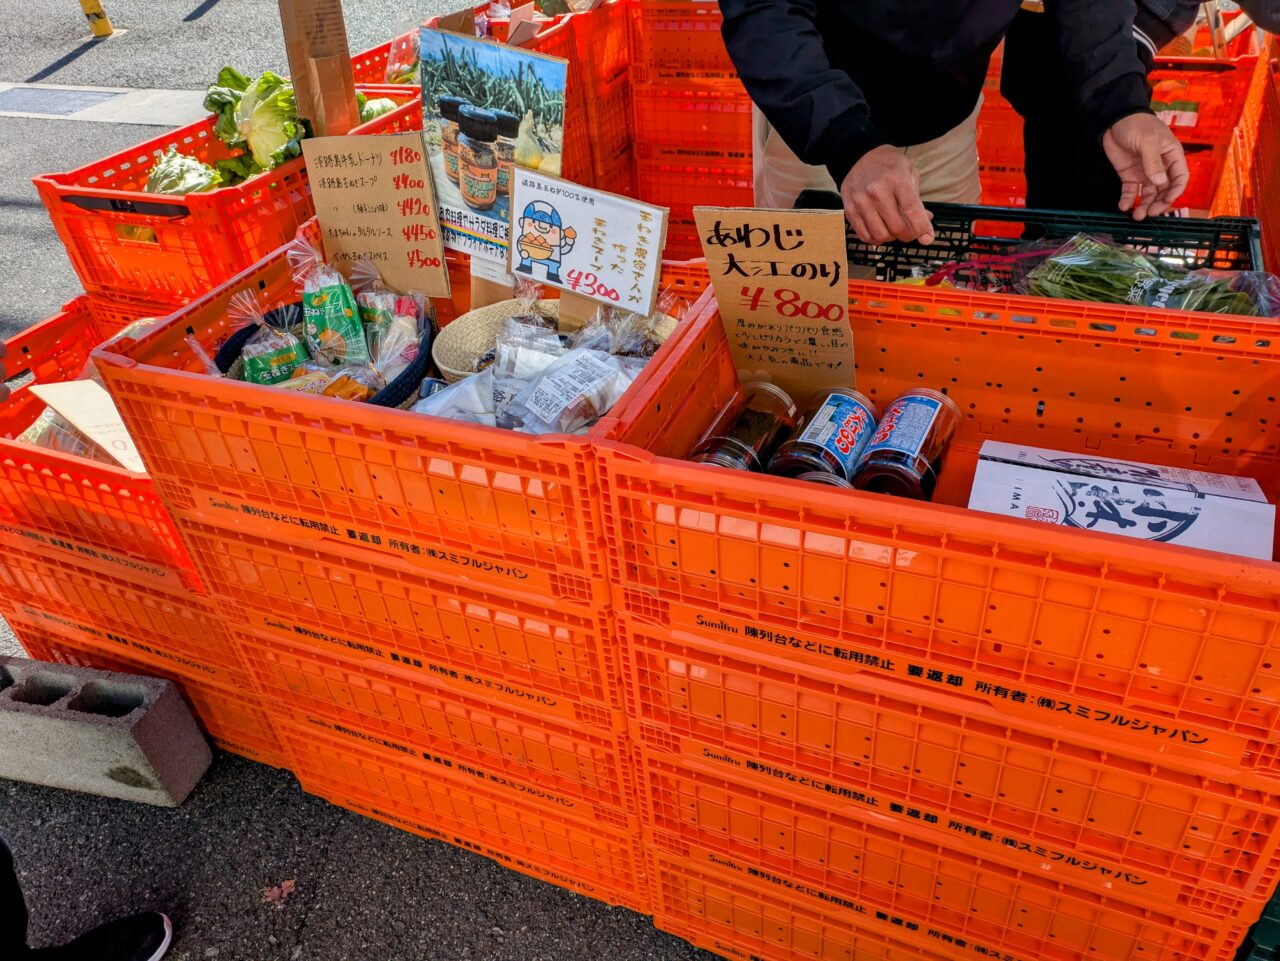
x,y
816,108
1097,42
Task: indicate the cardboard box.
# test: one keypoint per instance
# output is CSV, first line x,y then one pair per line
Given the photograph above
x,y
1188,508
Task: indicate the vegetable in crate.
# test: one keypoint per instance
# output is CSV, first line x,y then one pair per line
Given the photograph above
x,y
369,109
178,174
1094,269
260,116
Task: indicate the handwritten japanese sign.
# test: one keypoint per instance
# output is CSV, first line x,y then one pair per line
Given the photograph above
x,y
374,199
588,242
781,279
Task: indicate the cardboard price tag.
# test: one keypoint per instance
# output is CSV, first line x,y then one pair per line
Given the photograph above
x,y
90,410
781,280
374,199
587,242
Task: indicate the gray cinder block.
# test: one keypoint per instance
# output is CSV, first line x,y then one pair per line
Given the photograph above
x,y
97,731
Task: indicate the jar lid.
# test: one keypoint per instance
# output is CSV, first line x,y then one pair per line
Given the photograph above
x,y
449,107
508,124
478,124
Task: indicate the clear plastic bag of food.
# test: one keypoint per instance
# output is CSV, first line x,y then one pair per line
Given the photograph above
x,y
393,322
469,400
525,348
131,331
629,334
271,355
357,382
574,392
332,322
52,431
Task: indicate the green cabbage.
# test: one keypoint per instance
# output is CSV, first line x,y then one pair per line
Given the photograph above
x,y
376,108
176,173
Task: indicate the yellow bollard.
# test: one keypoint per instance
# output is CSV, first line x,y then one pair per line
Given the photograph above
x,y
99,22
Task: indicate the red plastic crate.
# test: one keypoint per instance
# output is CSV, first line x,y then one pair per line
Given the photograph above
x,y
1107,633
599,861
608,107
685,185
675,42
166,250
692,125
739,917
1207,95
59,505
702,815
404,711
505,509
522,651
1010,788
233,717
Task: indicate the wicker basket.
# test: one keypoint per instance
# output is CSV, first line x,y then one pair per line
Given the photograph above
x,y
460,344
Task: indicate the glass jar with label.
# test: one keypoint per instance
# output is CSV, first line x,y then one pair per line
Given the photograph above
x,y
449,107
477,159
508,131
905,455
749,429
832,436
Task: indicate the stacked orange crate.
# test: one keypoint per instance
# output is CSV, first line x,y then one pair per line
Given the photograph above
x,y
692,117
92,570
418,599
939,731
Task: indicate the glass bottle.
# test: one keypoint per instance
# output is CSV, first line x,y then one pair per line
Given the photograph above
x,y
477,158
508,131
449,107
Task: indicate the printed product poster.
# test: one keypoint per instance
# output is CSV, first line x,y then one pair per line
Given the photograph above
x,y
589,242
486,108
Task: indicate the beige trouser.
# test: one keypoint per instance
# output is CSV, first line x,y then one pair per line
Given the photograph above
x,y
948,166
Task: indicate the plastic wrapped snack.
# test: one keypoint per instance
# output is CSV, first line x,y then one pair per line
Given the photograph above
x,y
574,392
469,400
393,322
356,382
526,347
54,432
332,322
271,355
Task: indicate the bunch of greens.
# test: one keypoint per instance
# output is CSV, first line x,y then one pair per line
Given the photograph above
x,y
176,173
1092,269
260,117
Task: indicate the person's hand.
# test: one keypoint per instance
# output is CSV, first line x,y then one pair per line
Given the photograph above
x,y
881,198
1150,162
4,391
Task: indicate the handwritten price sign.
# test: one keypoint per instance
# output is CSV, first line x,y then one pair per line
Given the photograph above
x,y
374,199
781,280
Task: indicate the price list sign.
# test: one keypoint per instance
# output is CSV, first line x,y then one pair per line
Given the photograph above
x,y
374,200
781,280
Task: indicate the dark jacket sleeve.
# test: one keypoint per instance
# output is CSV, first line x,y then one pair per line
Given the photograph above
x,y
1265,13
816,108
1097,43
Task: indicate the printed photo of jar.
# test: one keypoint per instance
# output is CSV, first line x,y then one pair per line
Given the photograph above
x,y
449,107
905,455
477,159
832,436
508,131
749,429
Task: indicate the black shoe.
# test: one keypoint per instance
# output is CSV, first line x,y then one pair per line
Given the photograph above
x,y
142,937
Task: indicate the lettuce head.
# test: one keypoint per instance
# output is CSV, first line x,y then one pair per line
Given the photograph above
x,y
267,121
176,173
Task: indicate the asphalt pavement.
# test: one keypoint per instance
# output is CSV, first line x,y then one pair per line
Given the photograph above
x,y
364,891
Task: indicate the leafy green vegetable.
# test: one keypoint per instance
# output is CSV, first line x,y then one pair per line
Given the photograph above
x,y
176,173
376,108
259,116
222,98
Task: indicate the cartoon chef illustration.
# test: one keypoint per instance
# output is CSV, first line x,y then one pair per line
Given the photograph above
x,y
543,240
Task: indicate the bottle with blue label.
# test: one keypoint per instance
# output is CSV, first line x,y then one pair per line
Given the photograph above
x,y
832,436
905,454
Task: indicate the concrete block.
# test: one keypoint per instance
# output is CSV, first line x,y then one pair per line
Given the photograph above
x,y
104,733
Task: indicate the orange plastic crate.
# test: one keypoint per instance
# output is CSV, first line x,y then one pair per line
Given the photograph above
x,y
233,717
1011,789
701,815
162,250
684,185
738,917
697,124
1172,649
674,42
501,508
62,506
599,861
522,651
1203,99
404,711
